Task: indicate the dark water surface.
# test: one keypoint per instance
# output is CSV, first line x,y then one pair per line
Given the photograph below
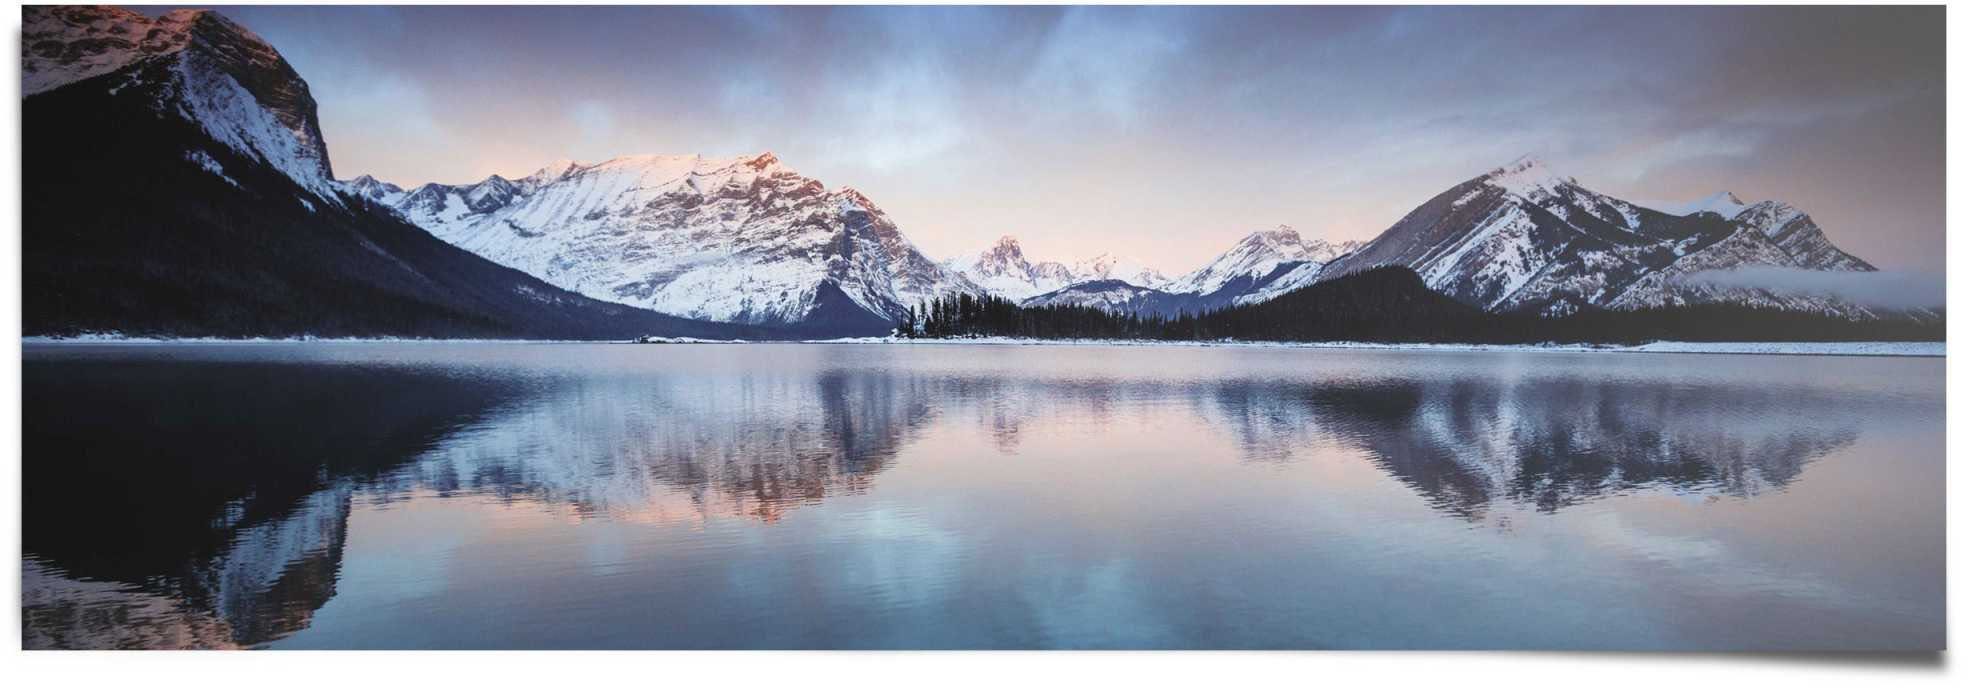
x,y
419,495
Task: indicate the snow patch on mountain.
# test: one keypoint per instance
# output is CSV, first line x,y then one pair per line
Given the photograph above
x,y
205,161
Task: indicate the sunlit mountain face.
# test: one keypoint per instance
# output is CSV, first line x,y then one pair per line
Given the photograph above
x,y
234,506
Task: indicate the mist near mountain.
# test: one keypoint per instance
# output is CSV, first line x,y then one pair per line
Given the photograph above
x,y
1894,289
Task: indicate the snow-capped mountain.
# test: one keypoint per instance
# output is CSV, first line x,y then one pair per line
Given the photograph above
x,y
1522,237
743,240
195,64
1108,266
181,186
1256,257
1003,269
1118,296
373,189
1260,267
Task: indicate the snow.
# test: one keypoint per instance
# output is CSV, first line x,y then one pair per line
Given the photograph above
x,y
69,44
1109,295
205,160
1497,257
1124,268
1305,275
233,117
1528,177
1003,270
725,239
1487,246
1257,255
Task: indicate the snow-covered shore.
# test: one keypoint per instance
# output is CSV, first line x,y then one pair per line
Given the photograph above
x,y
1771,348
1922,349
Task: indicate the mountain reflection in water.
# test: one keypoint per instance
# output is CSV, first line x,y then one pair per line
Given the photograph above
x,y
204,501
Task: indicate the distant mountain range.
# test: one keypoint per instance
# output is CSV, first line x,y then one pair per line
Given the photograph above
x,y
1003,270
227,220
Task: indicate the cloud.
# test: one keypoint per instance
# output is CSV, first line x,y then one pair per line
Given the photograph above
x,y
594,120
1887,289
1105,60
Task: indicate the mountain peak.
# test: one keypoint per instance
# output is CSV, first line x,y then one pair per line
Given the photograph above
x,y
1721,203
1527,176
198,64
762,161
1004,256
68,43
552,172
1280,234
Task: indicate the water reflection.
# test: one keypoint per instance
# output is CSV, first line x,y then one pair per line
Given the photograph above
x,y
176,503
1548,442
664,449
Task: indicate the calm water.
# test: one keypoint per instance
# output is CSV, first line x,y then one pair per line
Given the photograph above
x,y
868,496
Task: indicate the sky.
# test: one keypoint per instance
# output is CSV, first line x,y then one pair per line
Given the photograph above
x,y
1162,133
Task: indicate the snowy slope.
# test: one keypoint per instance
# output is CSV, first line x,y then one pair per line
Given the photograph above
x,y
735,240
1256,256
1116,296
1523,237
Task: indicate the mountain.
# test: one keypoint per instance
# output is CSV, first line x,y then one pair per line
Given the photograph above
x,y
1121,297
1524,238
1257,256
743,240
1003,270
1393,304
1108,266
1259,267
181,186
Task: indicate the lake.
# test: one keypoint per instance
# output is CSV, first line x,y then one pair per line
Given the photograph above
x,y
495,495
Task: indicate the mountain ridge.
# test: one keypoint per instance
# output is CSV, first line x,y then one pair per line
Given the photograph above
x,y
742,239
224,220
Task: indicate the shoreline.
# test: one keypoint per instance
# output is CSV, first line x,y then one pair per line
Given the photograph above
x,y
1892,349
